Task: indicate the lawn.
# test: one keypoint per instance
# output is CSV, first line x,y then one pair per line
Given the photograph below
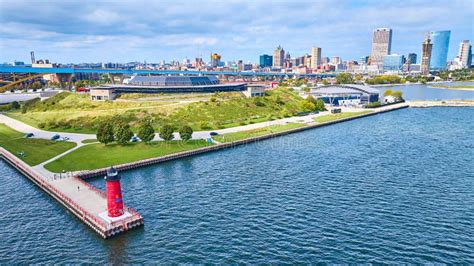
x,y
332,117
256,132
35,151
96,156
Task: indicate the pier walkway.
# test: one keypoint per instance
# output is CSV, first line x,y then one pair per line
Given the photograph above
x,y
86,202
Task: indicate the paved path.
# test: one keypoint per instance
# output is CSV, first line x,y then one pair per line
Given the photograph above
x,y
42,134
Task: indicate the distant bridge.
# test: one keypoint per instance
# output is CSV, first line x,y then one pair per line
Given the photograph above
x,y
57,70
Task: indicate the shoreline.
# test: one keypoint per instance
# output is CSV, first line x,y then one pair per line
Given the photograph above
x,y
86,174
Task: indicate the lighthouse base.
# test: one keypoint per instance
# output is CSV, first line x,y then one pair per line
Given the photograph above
x,y
108,219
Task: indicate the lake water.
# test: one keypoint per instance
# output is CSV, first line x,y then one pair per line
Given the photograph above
x,y
423,92
393,188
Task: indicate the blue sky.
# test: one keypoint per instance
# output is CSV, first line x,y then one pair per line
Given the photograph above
x,y
124,31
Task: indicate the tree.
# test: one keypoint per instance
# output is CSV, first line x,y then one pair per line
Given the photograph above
x,y
307,106
122,132
325,82
145,131
387,93
398,94
166,132
344,78
319,105
185,132
15,105
105,132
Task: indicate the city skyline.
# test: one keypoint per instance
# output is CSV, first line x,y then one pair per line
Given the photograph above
x,y
237,30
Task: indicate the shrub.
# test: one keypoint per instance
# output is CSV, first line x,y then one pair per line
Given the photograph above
x,y
15,105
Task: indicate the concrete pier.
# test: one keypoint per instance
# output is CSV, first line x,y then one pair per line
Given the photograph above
x,y
80,198
445,103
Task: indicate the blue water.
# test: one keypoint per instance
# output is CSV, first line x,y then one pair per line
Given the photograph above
x,y
392,188
423,92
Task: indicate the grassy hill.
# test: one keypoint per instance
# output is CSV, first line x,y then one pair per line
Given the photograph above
x,y
71,112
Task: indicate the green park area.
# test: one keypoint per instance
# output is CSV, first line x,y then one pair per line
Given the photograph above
x,y
94,156
71,112
333,117
256,132
32,151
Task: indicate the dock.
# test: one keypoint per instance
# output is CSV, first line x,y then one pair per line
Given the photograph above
x,y
86,202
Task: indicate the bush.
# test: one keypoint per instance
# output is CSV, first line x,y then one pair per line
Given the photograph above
x,y
166,132
185,132
145,131
373,104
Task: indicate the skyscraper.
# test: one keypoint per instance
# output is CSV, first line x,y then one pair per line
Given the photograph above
x,y
215,60
426,56
315,57
465,54
266,60
393,62
439,52
411,58
278,57
381,45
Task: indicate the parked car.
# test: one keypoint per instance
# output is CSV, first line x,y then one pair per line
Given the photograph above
x,y
135,139
213,133
336,110
65,138
29,135
55,137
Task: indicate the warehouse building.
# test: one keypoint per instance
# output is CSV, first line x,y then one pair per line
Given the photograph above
x,y
346,94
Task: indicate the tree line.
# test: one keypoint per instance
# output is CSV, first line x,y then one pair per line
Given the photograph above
x,y
115,129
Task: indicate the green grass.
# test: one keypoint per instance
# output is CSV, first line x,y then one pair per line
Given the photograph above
x,y
332,117
36,150
96,156
89,141
256,132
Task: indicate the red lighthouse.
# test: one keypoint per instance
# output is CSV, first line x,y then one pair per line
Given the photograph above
x,y
114,193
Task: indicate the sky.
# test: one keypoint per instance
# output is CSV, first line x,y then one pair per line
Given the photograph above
x,y
70,31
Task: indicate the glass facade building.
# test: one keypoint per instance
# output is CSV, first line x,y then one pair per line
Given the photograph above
x,y
439,51
393,62
266,60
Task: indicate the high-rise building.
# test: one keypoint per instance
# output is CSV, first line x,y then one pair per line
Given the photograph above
x,y
336,60
411,58
266,60
315,57
393,62
278,57
215,60
465,54
426,56
364,60
325,60
439,52
381,45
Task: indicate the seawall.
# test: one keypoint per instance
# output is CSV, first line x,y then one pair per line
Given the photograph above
x,y
128,166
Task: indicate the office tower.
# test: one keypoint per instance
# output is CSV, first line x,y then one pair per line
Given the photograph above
x,y
465,54
426,56
393,62
336,60
278,57
364,60
266,60
439,51
325,60
315,57
381,45
411,58
215,60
